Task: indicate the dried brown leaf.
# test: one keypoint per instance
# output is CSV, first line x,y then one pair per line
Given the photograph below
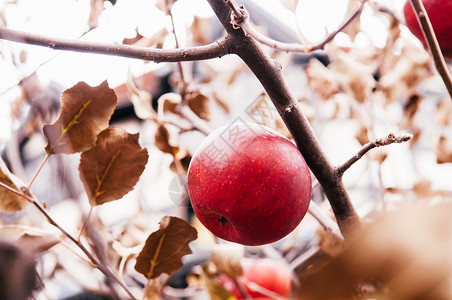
x,y
162,140
169,102
10,202
113,166
406,252
199,104
33,239
85,111
444,151
164,248
141,100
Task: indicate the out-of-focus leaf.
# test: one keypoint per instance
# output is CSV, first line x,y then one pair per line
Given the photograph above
x,y
227,259
444,112
290,4
164,248
354,27
199,30
168,102
409,111
355,78
10,202
85,111
444,151
33,239
113,166
403,254
141,100
213,286
223,104
97,7
405,71
162,140
199,104
321,79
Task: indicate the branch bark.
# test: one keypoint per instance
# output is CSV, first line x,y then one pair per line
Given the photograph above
x,y
213,50
268,72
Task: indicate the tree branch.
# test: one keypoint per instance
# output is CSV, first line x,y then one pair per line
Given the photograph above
x,y
390,139
433,45
213,50
243,22
268,72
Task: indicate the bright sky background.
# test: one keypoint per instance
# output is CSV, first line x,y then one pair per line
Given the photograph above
x,y
68,19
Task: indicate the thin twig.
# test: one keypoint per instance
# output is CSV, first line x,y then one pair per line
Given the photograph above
x,y
433,45
104,269
390,139
243,22
327,223
213,50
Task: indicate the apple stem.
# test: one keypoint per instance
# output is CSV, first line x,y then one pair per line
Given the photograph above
x,y
433,45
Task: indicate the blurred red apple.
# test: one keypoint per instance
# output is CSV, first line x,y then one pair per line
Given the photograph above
x,y
262,279
248,184
440,15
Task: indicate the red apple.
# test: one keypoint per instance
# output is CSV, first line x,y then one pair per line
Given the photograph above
x,y
440,15
262,279
248,184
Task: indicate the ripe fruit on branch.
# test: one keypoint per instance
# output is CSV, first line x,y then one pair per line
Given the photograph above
x,y
248,184
440,15
261,278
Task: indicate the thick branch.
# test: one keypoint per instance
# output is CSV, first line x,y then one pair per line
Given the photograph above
x,y
390,139
214,50
269,74
433,45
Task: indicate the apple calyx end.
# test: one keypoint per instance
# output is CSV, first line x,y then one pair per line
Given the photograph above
x,y
222,220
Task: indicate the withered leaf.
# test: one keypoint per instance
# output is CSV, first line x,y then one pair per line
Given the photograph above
x,y
164,248
162,140
214,288
321,79
406,253
10,202
33,239
199,104
113,166
85,111
443,151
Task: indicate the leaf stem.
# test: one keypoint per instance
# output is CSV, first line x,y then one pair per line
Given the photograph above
x,y
433,45
38,171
